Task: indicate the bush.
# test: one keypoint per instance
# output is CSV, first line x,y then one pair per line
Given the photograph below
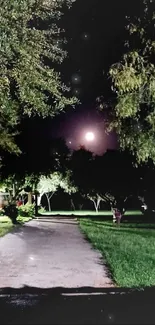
x,y
2,212
42,210
11,211
26,210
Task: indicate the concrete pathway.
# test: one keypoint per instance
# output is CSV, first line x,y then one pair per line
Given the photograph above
x,y
50,253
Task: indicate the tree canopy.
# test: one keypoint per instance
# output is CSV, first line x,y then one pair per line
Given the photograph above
x,y
133,78
49,185
29,49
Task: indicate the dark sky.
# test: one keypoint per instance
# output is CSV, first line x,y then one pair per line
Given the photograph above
x,y
95,31
103,21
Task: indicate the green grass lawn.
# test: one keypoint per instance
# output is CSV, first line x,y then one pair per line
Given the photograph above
x,y
87,213
6,224
129,251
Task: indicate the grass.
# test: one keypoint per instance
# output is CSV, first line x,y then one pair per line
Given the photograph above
x,y
88,213
129,251
6,224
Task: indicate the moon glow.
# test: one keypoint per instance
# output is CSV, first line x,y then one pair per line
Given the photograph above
x,y
90,136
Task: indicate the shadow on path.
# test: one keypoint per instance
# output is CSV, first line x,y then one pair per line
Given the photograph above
x,y
86,305
58,221
56,217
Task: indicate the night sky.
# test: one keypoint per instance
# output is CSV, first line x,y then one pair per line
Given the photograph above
x,y
95,31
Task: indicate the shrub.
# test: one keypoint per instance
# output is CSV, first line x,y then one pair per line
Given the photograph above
x,y
11,211
2,212
26,210
42,210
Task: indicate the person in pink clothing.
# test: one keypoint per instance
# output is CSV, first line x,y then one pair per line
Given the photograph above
x,y
19,202
117,216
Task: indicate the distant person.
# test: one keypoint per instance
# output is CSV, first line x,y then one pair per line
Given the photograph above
x,y
118,216
19,202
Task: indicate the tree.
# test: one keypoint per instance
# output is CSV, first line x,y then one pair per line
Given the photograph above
x,y
17,185
13,185
87,172
30,45
120,179
147,188
24,171
133,78
111,178
49,185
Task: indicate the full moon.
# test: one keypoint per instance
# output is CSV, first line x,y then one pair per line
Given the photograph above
x,y
89,136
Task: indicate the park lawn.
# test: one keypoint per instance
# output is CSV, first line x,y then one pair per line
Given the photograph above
x,y
5,228
87,213
129,251
6,224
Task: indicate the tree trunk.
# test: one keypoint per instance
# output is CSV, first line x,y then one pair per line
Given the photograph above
x,y
97,204
48,201
36,204
39,199
13,190
96,208
72,205
49,205
30,197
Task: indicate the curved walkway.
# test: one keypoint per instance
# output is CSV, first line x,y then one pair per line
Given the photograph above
x,y
50,253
